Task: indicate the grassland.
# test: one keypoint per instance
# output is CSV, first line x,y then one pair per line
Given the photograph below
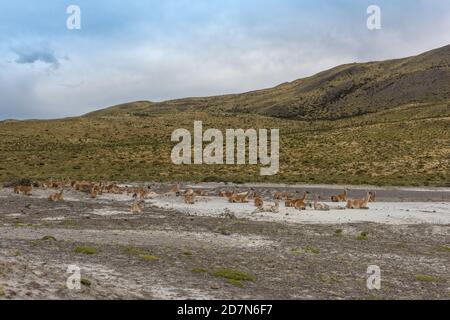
x,y
408,145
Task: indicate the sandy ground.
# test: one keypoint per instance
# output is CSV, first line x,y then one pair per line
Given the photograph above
x,y
291,254
386,212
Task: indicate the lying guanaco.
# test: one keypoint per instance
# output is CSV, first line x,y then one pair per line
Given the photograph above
x,y
176,188
320,206
269,208
226,194
240,197
200,192
289,203
259,202
300,204
58,196
94,192
189,198
340,197
26,190
282,195
136,207
82,186
373,195
359,203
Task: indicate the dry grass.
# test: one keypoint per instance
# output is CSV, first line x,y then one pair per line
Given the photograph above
x,y
403,146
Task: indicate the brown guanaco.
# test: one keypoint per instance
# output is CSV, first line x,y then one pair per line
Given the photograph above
x,y
239,197
340,197
320,206
58,196
176,188
189,198
259,202
136,207
25,190
359,203
282,195
200,192
269,208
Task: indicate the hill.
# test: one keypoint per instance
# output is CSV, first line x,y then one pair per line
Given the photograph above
x,y
344,91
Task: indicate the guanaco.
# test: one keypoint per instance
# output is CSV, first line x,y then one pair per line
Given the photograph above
x,y
269,208
189,199
176,188
300,204
340,197
82,186
226,194
282,195
240,197
289,203
320,206
94,193
373,195
136,207
58,196
259,202
359,203
25,190
200,192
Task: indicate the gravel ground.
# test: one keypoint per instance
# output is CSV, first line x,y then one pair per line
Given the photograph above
x,y
166,253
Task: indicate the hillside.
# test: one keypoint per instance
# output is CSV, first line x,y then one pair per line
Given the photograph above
x,y
398,133
407,145
344,91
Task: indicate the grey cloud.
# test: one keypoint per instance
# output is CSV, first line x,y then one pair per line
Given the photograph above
x,y
30,56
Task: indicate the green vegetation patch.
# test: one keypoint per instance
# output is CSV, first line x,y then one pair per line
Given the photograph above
x,y
426,278
141,253
48,238
363,236
85,282
148,257
199,270
86,250
233,274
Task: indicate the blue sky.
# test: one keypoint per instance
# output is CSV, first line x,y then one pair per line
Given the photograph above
x,y
158,50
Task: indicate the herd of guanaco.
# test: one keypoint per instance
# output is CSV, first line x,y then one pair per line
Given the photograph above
x,y
92,188
189,195
299,203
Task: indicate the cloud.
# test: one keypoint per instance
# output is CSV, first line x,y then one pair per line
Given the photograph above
x,y
158,50
26,55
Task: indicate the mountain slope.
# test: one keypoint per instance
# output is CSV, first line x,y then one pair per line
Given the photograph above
x,y
344,91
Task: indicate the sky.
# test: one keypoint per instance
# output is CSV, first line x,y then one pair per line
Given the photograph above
x,y
165,49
